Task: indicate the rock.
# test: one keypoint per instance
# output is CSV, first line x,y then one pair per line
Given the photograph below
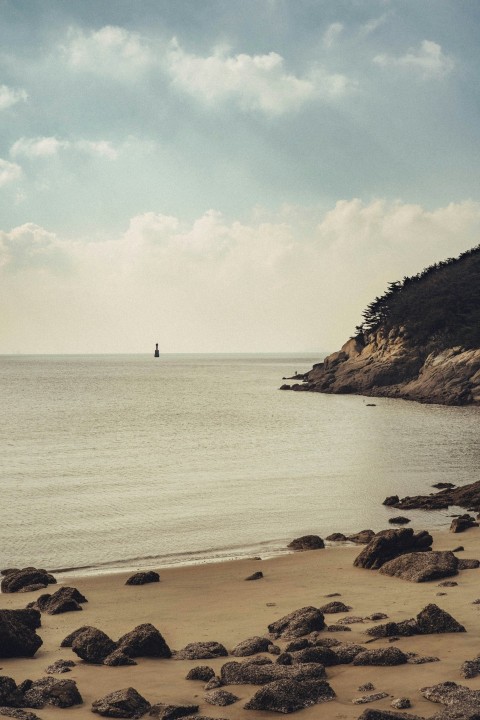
x,y
10,694
288,696
334,607
371,714
68,640
338,628
65,599
470,668
60,666
422,566
467,496
144,641
318,638
350,620
220,697
421,659
316,654
273,649
336,537
449,693
126,703
15,580
164,711
465,564
389,544
434,620
399,520
361,538
402,703
118,658
381,656
307,542
297,623
442,485
254,673
462,523
346,653
19,714
299,644
17,639
93,645
214,683
29,617
406,628
201,650
142,578
376,616
255,576
367,687
251,646
51,691
369,698
448,583
201,672
391,500
460,548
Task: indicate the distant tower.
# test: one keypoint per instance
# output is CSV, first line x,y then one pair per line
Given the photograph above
x,y
157,351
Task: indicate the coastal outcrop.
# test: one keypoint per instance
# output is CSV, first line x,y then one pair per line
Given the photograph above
x,y
26,580
419,341
389,544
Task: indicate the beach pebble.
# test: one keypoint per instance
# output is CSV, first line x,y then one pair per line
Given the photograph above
x,y
448,583
367,687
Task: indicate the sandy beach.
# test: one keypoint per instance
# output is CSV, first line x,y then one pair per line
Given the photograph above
x,y
213,602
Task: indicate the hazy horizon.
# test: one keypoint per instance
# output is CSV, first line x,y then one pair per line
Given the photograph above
x,y
227,177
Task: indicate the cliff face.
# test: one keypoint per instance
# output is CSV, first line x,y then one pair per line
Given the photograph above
x,y
388,365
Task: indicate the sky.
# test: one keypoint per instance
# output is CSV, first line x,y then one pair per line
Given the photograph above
x,y
222,176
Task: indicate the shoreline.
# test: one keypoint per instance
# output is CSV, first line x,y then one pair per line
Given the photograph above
x,y
212,602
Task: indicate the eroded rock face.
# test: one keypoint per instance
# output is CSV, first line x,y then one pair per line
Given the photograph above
x,y
307,542
251,646
126,703
287,696
17,639
143,578
201,651
297,623
18,580
260,673
422,566
144,641
389,544
92,645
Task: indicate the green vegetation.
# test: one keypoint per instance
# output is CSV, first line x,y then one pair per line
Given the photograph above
x,y
439,307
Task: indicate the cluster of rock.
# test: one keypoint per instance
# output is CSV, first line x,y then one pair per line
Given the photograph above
x,y
65,599
39,693
94,646
25,580
467,496
430,620
389,544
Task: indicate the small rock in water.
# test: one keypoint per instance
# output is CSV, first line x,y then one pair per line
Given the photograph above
x,y
307,542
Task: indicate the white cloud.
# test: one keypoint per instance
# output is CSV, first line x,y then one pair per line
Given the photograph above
x,y
429,60
254,82
9,172
111,51
332,34
10,96
213,285
42,147
372,25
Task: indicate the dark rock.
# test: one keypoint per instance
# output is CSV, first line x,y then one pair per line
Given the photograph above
x,y
361,538
60,666
126,703
65,599
350,620
253,673
29,617
381,656
465,564
316,654
336,537
338,628
399,520
221,698
391,500
201,650
402,703
470,668
251,646
460,548
369,698
17,639
372,714
19,714
142,578
93,645
367,687
406,628
448,583
377,616
463,702
299,644
255,576
307,542
15,580
164,711
467,497
288,696
297,623
201,672
462,523
443,485
118,658
68,640
285,387
389,544
284,659
434,620
144,641
214,683
51,691
335,607
273,649
318,638
10,694
422,566
333,595
346,653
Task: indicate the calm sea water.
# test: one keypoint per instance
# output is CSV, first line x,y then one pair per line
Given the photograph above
x,y
128,461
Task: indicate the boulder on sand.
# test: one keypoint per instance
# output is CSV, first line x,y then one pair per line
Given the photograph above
x,y
297,623
307,542
201,651
93,645
422,566
143,578
389,544
288,696
18,580
52,691
251,646
65,599
433,619
17,639
144,641
381,656
125,703
260,672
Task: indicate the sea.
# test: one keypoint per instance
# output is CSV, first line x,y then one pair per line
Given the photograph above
x,y
112,462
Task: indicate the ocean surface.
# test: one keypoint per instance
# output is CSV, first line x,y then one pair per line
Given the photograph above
x,y
126,461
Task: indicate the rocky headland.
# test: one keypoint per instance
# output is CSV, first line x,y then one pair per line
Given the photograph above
x,y
419,341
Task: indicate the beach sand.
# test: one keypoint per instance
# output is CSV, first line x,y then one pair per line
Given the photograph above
x,y
213,602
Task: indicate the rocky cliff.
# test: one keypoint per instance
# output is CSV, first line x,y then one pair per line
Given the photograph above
x,y
418,358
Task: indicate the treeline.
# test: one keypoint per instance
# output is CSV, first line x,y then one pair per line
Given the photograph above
x,y
439,307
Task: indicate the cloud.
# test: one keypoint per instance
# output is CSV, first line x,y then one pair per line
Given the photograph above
x,y
9,172
372,25
111,51
332,34
42,147
254,82
10,96
429,60
213,285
